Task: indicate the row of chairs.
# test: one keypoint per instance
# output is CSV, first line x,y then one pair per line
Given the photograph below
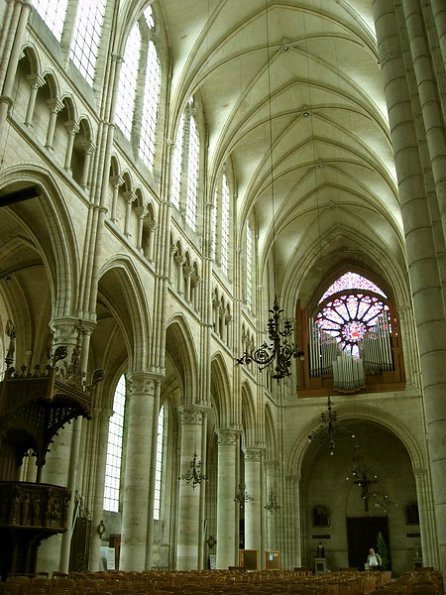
x,y
212,582
423,581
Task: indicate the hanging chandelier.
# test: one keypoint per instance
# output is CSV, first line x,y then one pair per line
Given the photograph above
x,y
242,495
279,351
194,476
365,477
330,430
272,504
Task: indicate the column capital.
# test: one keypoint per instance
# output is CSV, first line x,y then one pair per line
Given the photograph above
x,y
190,414
35,80
141,383
253,453
228,437
55,104
272,465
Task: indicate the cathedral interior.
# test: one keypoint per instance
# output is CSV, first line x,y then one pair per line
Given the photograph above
x,y
222,231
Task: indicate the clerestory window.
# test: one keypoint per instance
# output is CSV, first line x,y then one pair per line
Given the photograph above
x,y
140,78
186,166
53,12
87,36
114,449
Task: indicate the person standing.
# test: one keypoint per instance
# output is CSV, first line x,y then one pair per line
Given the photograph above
x,y
374,560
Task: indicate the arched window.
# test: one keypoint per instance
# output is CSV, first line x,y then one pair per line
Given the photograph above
x,y
177,160
152,88
53,12
140,78
249,264
221,233
225,211
192,174
125,103
160,452
87,36
185,166
114,449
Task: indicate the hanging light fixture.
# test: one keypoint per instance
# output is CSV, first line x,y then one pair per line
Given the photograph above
x,y
366,478
194,476
330,430
272,504
242,495
279,351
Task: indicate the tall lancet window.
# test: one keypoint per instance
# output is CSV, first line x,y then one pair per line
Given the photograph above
x,y
114,449
159,464
125,104
87,36
225,223
139,88
221,225
186,166
53,12
249,264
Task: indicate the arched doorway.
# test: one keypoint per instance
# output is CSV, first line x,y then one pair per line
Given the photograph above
x,y
358,517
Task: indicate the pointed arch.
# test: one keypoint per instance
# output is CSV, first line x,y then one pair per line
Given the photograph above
x,y
121,293
220,391
181,351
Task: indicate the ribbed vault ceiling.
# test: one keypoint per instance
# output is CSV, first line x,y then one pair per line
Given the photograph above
x,y
293,99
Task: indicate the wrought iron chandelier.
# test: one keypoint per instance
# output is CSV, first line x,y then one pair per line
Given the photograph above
x,y
279,351
330,430
365,477
242,495
272,504
194,476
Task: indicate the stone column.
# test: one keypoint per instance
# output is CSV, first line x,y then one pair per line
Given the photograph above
x,y
88,147
36,82
422,260
141,213
116,182
141,398
101,421
227,529
292,555
72,129
427,517
188,522
439,15
55,106
271,468
61,462
130,198
187,272
12,36
428,92
254,508
180,260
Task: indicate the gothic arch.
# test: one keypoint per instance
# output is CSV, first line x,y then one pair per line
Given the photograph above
x,y
121,294
220,391
249,417
49,228
181,353
358,412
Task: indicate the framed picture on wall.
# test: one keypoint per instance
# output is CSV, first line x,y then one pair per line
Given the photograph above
x,y
321,516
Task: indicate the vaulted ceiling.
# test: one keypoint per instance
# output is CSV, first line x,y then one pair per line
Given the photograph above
x,y
294,99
